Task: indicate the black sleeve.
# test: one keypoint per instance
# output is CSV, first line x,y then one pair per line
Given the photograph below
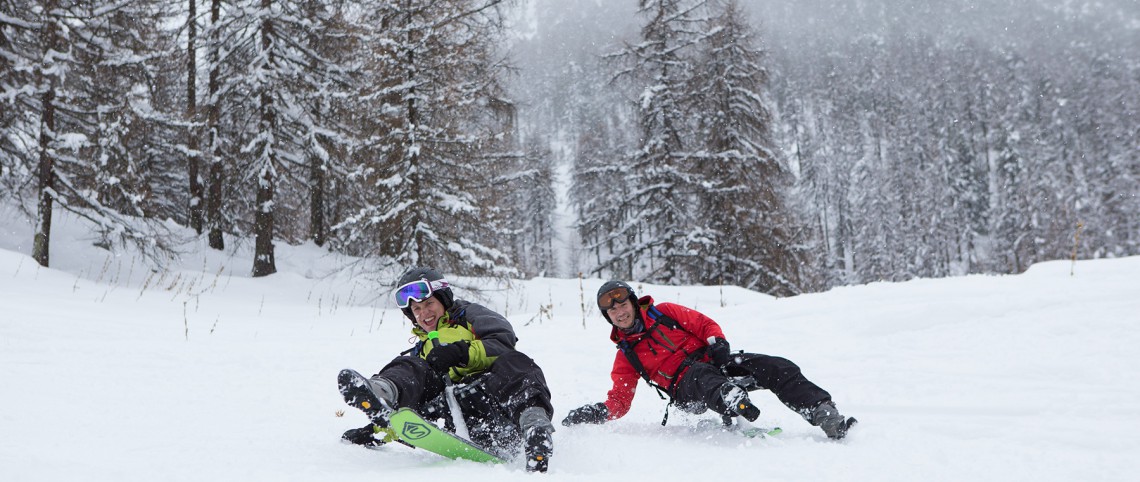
x,y
493,329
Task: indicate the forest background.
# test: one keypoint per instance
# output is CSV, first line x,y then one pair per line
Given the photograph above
x,y
785,147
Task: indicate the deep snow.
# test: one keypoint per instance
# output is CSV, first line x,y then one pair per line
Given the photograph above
x,y
208,374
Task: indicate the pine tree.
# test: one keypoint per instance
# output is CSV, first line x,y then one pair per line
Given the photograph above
x,y
431,86
267,122
86,87
600,176
654,212
532,213
744,226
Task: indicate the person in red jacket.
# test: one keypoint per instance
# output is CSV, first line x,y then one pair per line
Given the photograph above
x,y
684,354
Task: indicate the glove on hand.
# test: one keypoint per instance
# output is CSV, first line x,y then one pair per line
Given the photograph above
x,y
719,352
362,436
593,413
443,357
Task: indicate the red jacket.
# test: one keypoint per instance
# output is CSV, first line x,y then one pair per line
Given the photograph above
x,y
660,349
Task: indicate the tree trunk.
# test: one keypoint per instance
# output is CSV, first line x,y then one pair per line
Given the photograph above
x,y
49,38
317,200
46,174
263,262
214,201
192,117
317,165
412,141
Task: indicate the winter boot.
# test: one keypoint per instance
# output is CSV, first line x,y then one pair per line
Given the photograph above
x,y
537,442
827,417
374,396
736,399
365,436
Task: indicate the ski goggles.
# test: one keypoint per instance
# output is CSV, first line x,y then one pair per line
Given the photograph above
x,y
417,291
612,297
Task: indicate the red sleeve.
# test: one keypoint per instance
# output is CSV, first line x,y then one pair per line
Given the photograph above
x,y
693,321
620,397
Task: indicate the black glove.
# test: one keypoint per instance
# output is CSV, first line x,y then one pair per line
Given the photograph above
x,y
362,436
719,352
593,413
443,357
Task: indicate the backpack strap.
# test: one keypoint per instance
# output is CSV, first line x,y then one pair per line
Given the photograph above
x,y
627,349
660,319
665,320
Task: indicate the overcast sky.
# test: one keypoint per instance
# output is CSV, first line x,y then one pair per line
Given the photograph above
x,y
574,25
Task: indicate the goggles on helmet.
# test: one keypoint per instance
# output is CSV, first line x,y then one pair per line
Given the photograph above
x,y
418,290
612,297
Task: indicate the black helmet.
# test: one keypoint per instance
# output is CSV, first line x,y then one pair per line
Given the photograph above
x,y
610,286
444,295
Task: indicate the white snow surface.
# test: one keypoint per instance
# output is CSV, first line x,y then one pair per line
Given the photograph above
x,y
200,376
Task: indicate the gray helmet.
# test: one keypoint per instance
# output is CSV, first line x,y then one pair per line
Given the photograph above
x,y
444,295
610,286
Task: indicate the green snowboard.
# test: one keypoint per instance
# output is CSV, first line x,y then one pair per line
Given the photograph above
x,y
760,432
411,428
740,426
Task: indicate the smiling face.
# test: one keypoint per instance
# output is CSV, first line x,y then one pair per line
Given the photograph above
x,y
428,313
623,315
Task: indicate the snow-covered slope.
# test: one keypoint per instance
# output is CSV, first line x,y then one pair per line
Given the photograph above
x,y
203,376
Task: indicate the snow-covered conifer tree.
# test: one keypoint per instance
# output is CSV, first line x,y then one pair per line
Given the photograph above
x,y
743,227
78,73
654,214
431,94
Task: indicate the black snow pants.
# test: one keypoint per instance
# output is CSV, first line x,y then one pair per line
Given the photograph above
x,y
491,401
700,387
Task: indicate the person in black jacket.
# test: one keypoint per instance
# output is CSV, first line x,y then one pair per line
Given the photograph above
x,y
502,392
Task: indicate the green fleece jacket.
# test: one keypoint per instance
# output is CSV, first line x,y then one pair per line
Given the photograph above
x,y
487,333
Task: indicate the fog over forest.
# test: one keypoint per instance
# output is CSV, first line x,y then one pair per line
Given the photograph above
x,y
815,50
552,36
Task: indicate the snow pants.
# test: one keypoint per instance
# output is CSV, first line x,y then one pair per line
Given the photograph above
x,y
491,401
700,386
